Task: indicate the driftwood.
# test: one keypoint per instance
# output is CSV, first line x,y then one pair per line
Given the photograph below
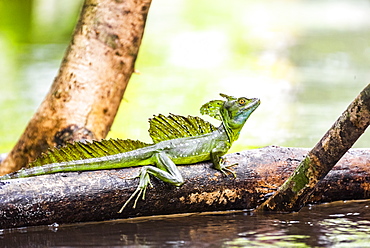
x,y
98,195
295,191
86,94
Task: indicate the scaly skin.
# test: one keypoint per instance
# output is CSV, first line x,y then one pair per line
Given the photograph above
x,y
161,158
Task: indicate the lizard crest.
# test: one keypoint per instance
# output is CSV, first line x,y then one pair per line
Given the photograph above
x,y
161,128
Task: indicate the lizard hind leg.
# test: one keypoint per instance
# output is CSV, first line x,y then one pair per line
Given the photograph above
x,y
166,171
144,181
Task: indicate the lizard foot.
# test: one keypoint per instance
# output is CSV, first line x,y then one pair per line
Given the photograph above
x,y
225,168
144,182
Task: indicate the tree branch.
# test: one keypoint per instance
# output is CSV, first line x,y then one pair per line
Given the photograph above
x,y
93,76
295,192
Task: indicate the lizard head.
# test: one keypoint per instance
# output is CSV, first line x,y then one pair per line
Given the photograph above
x,y
236,111
233,112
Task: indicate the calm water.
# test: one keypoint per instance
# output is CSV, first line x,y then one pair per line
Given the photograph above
x,y
306,60
338,224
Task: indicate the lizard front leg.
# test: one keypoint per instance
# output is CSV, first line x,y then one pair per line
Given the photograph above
x,y
219,163
166,171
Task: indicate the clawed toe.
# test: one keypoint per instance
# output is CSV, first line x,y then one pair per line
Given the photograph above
x,y
226,171
144,182
137,191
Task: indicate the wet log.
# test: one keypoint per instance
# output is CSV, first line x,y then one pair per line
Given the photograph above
x,y
98,195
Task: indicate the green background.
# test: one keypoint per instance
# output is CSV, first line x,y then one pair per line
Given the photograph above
x,y
305,60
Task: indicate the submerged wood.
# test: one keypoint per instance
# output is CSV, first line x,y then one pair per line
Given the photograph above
x,y
295,191
98,195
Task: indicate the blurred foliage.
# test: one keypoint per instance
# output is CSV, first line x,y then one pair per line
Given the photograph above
x,y
302,58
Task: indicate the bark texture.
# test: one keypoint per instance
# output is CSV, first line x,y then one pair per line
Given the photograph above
x,y
86,94
295,192
98,195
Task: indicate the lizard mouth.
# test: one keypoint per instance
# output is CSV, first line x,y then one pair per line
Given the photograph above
x,y
253,104
250,105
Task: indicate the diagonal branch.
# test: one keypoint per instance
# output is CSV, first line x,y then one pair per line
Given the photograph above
x,y
293,194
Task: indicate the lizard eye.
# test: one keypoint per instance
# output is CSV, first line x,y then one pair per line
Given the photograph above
x,y
241,101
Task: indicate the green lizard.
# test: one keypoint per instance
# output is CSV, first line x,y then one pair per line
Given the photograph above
x,y
177,140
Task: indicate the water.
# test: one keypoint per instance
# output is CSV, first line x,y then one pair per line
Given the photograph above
x,y
337,224
306,60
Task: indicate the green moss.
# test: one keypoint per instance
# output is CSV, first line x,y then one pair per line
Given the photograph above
x,y
300,179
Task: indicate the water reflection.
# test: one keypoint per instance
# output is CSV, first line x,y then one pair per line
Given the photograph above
x,y
334,224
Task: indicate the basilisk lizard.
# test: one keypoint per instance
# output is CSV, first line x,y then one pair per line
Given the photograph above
x,y
176,140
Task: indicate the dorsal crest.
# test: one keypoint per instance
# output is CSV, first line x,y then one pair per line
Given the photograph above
x,y
177,126
86,150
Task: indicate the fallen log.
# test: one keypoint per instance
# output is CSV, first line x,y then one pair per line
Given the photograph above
x,y
98,195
